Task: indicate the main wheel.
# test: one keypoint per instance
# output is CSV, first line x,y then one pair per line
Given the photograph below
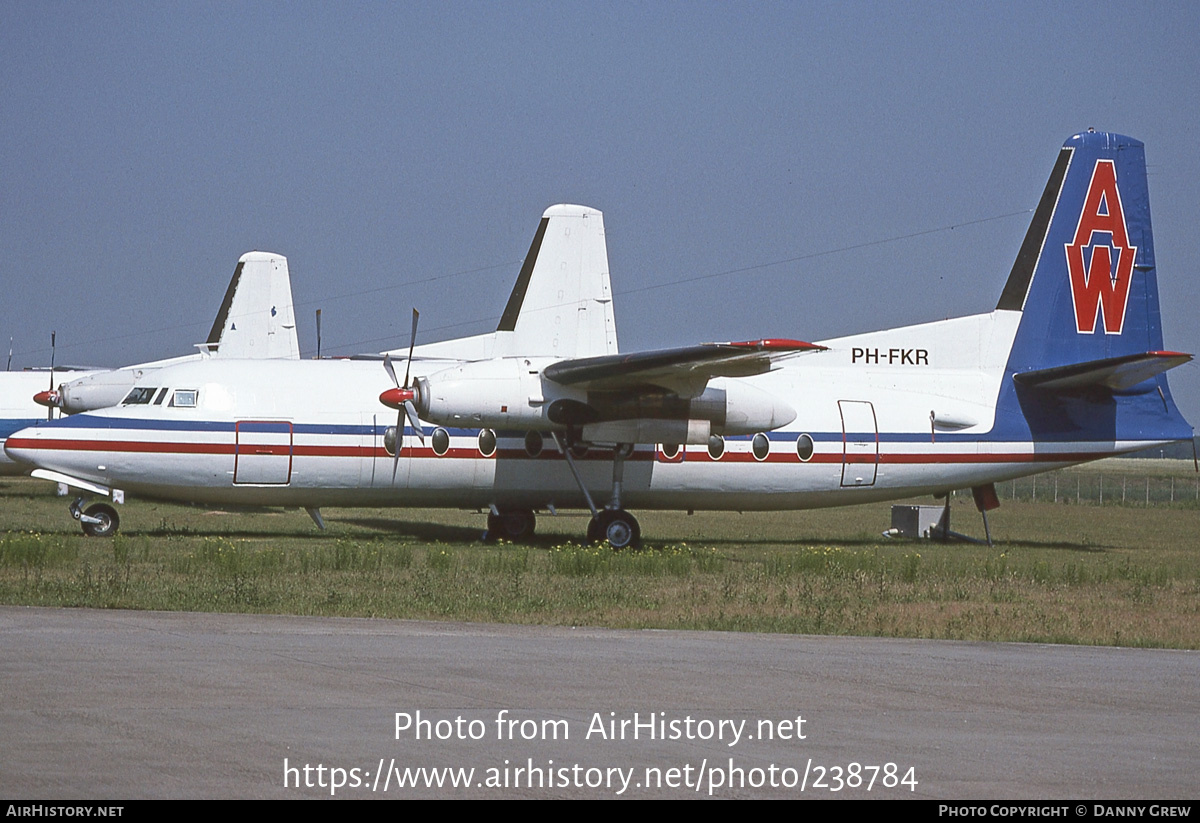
x,y
109,521
514,525
616,526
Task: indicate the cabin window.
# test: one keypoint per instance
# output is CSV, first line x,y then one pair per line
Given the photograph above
x,y
487,442
184,398
441,441
534,443
761,446
139,396
389,441
804,447
716,446
670,450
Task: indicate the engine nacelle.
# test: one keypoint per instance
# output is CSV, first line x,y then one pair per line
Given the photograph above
x,y
511,393
747,410
505,393
98,391
730,406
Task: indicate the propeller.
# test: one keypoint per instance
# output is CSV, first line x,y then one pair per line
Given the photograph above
x,y
49,398
401,398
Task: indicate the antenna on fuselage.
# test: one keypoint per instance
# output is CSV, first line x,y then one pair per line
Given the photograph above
x,y
318,334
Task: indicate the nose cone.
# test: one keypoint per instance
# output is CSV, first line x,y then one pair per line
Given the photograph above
x,y
21,445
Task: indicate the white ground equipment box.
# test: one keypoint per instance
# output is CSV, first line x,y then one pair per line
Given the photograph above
x,y
919,521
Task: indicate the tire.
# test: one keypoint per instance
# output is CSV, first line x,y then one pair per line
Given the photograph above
x,y
515,526
617,527
110,521
595,529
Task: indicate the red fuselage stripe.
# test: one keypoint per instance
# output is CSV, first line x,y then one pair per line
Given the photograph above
x,y
151,447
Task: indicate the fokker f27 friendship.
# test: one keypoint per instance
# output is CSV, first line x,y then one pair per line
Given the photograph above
x,y
545,414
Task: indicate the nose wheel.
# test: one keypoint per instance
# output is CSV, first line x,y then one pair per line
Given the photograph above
x,y
97,520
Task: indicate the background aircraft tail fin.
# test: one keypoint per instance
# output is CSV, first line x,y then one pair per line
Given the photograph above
x,y
256,318
561,305
1086,285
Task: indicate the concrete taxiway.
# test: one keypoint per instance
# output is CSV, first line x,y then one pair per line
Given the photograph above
x,y
120,705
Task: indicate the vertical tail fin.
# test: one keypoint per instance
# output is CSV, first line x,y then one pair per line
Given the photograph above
x,y
561,304
1086,271
256,319
1087,358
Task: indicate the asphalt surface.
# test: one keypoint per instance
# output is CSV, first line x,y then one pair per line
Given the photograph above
x,y
125,705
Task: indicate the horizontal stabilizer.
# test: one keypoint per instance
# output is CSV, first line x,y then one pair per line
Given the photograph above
x,y
1115,373
684,370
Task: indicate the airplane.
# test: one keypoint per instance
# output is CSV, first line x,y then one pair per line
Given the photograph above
x,y
255,320
545,414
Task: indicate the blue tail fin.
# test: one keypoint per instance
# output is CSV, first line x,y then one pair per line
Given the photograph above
x,y
1086,286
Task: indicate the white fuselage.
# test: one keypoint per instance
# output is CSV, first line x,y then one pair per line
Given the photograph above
x,y
888,414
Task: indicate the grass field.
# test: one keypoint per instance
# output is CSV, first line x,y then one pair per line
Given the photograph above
x,y
1062,572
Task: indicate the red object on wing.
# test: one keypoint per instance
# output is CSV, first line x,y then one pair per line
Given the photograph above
x,y
777,344
46,398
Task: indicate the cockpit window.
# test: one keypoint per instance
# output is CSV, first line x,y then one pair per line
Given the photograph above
x,y
184,397
139,396
161,394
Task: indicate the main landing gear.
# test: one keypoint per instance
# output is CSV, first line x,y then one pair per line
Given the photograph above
x,y
97,520
617,526
612,523
513,525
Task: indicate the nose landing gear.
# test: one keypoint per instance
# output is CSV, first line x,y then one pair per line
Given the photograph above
x,y
97,520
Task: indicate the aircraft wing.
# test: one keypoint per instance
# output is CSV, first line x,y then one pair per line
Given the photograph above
x,y
685,370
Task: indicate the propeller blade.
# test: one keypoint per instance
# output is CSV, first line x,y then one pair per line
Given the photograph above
x,y
412,344
408,407
50,409
399,444
411,408
387,365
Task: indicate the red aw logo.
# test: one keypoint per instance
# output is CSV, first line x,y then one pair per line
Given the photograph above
x,y
1100,284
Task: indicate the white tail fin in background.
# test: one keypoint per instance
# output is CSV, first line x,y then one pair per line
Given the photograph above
x,y
256,318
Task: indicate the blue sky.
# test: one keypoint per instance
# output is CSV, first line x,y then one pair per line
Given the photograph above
x,y
401,154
